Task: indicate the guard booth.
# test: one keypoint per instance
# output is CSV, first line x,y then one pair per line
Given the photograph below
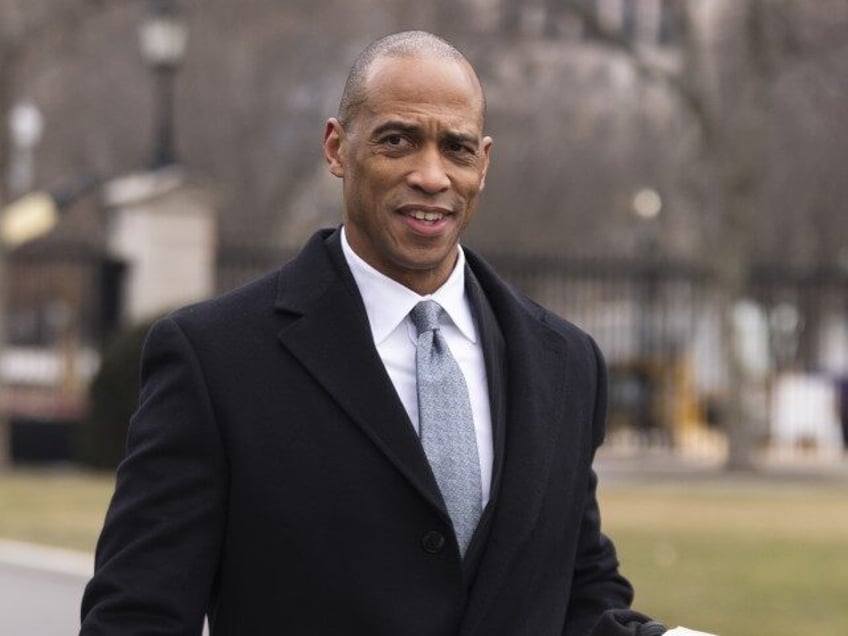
x,y
66,300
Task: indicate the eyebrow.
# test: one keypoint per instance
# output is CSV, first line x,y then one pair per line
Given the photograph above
x,y
395,125
462,138
408,128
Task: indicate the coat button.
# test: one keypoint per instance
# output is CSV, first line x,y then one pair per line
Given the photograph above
x,y
433,542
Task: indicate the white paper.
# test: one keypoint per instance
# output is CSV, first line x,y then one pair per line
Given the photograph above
x,y
682,631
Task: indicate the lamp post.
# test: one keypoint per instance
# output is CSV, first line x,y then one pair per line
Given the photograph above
x,y
25,127
163,37
647,205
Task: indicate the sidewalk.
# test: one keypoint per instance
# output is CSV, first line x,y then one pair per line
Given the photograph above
x,y
46,558
40,589
663,466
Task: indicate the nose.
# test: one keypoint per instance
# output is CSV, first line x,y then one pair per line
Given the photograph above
x,y
429,174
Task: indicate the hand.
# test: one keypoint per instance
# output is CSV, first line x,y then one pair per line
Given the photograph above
x,y
651,628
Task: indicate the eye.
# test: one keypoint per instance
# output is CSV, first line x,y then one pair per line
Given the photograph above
x,y
460,149
458,145
395,141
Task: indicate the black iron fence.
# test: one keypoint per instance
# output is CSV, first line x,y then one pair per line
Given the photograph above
x,y
658,323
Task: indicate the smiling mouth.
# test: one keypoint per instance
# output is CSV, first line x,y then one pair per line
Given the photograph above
x,y
426,215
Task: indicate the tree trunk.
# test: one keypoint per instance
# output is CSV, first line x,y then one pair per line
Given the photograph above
x,y
510,16
740,422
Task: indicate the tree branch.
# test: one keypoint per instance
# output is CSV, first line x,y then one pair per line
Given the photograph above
x,y
684,90
57,21
14,46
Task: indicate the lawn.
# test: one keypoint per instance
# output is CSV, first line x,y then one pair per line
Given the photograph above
x,y
57,508
737,559
746,558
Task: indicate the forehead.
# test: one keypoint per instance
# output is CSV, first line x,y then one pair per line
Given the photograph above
x,y
442,88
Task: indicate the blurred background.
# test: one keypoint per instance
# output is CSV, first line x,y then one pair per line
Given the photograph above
x,y
666,174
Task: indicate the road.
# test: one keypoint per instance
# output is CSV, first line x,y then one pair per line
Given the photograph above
x,y
38,602
41,588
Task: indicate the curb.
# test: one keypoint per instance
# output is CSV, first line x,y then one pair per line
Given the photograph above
x,y
46,559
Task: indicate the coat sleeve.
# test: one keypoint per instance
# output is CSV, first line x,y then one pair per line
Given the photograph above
x,y
597,584
159,549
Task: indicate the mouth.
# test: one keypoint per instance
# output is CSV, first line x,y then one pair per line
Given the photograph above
x,y
426,214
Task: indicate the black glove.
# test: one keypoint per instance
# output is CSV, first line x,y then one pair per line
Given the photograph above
x,y
626,623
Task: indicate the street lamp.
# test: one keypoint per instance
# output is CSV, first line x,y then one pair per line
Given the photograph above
x,y
163,37
25,129
646,205
26,126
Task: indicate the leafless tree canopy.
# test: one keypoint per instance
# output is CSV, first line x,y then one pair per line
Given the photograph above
x,y
727,108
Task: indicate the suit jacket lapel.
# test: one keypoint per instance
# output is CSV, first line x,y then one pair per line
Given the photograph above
x,y
536,399
494,352
330,337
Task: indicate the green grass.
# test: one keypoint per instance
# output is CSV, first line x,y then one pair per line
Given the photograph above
x,y
735,558
54,508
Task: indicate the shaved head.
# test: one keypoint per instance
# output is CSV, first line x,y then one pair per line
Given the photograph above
x,y
404,44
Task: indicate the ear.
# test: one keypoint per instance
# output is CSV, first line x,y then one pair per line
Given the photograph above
x,y
485,149
334,137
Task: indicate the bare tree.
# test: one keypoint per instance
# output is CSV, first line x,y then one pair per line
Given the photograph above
x,y
730,63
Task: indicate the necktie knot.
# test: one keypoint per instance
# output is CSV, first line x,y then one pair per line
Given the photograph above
x,y
425,315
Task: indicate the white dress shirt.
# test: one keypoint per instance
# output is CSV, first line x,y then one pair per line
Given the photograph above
x,y
388,304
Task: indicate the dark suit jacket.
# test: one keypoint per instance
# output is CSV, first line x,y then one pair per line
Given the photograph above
x,y
273,479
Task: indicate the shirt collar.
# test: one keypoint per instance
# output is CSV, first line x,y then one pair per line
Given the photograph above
x,y
387,302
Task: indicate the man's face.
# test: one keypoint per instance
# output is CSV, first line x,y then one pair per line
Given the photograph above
x,y
414,161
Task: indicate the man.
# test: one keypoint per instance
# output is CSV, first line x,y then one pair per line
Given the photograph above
x,y
309,458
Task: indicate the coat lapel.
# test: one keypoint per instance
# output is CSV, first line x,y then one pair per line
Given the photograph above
x,y
536,399
328,334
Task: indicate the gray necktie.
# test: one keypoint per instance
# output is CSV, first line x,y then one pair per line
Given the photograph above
x,y
445,423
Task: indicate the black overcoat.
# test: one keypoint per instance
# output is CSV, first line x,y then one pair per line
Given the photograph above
x,y
273,480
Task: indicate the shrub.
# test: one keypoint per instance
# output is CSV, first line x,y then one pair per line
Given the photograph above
x,y
113,397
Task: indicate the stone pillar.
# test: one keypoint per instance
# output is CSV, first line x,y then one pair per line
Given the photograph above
x,y
163,225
